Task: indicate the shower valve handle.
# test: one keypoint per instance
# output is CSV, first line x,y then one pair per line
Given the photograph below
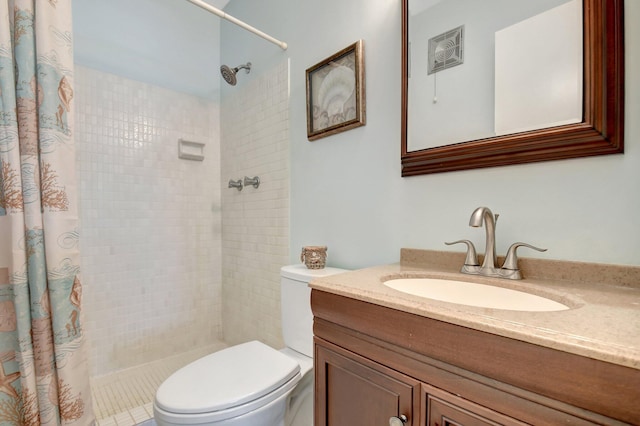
x,y
253,181
235,184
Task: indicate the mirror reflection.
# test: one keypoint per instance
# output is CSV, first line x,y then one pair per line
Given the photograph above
x,y
480,69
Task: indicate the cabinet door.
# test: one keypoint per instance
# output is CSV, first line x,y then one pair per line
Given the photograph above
x,y
445,409
353,391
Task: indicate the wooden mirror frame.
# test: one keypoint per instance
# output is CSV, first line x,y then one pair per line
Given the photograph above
x,y
600,132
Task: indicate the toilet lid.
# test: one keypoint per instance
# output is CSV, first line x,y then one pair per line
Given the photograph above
x,y
225,379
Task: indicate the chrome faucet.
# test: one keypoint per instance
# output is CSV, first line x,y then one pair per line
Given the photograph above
x,y
484,216
478,217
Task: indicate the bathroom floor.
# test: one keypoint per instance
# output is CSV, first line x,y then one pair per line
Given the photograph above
x,y
125,398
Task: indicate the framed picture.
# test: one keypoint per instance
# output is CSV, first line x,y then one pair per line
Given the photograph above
x,y
336,93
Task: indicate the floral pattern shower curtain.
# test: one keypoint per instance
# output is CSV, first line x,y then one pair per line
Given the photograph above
x,y
43,364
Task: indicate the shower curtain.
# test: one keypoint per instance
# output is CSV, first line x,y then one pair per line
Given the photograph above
x,y
43,363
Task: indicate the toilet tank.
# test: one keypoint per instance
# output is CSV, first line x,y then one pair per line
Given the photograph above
x,y
297,319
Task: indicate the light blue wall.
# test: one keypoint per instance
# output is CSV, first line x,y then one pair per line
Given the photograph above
x,y
346,190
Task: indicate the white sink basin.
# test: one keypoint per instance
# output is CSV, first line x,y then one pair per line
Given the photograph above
x,y
473,294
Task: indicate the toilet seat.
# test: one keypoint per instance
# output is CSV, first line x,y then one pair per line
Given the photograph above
x,y
228,383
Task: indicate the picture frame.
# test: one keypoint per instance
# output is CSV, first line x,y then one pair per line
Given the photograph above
x,y
336,93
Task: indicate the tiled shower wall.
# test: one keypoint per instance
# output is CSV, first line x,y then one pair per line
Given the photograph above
x,y
150,222
255,235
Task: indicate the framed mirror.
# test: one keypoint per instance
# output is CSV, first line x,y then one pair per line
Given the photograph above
x,y
435,75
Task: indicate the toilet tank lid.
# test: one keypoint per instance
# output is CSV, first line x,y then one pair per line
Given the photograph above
x,y
225,379
301,273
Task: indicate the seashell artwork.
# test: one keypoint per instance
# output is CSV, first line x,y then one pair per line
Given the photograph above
x,y
335,93
336,102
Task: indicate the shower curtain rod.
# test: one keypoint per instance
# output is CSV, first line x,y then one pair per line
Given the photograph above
x,y
238,22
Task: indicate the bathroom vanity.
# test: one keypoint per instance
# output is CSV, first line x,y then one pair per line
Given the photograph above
x,y
387,357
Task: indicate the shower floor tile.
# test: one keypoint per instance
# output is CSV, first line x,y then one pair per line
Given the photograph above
x,y
125,398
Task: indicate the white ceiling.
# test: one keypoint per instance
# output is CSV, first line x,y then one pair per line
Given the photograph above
x,y
170,43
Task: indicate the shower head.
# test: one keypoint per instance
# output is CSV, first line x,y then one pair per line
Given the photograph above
x,y
229,74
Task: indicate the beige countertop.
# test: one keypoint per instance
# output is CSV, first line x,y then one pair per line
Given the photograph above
x,y
603,321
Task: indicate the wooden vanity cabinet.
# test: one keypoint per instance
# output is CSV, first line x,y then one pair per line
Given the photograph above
x,y
357,392
373,362
354,391
444,409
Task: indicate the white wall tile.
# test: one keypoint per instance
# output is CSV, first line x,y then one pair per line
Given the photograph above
x,y
255,235
150,222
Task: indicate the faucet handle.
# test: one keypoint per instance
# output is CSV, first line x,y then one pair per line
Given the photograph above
x,y
511,260
472,257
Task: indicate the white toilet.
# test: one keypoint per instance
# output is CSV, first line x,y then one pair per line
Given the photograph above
x,y
251,384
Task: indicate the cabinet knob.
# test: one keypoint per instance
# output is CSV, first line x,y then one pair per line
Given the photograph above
x,y
398,421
